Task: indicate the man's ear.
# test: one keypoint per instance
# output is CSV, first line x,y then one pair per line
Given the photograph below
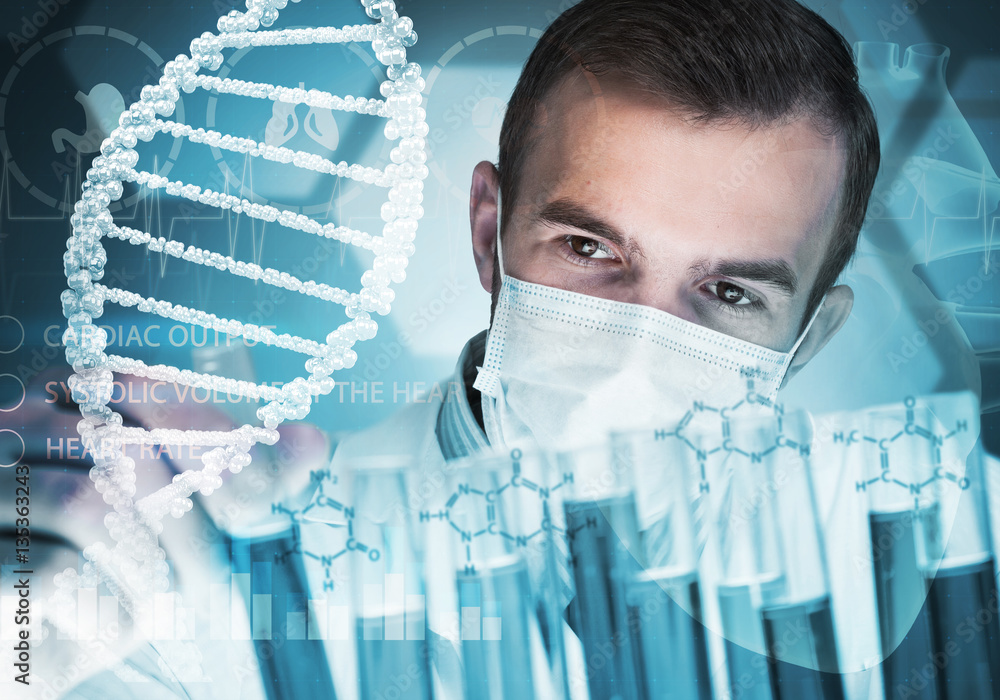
x,y
832,315
483,217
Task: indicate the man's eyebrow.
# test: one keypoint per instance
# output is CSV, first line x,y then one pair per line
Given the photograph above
x,y
566,212
775,273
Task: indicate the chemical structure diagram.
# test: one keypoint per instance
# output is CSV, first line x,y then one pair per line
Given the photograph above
x,y
494,527
486,501
705,421
910,430
704,430
321,478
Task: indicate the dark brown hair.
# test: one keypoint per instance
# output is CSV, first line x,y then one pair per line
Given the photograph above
x,y
749,62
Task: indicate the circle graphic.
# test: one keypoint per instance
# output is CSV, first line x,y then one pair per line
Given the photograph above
x,y
325,128
21,390
7,324
3,446
470,101
101,103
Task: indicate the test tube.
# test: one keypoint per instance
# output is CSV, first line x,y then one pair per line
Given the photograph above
x,y
492,528
934,564
266,552
962,596
602,527
774,592
902,521
749,576
276,593
664,596
387,581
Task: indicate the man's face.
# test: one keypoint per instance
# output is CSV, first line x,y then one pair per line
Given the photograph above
x,y
621,198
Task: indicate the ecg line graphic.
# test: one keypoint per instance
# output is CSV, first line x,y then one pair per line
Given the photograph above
x,y
134,567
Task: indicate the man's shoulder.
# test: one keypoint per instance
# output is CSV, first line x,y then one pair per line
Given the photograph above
x,y
413,430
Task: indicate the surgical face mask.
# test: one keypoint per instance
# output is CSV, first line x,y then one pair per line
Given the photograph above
x,y
564,370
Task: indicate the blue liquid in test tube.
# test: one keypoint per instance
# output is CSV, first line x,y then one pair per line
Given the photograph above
x,y
900,594
746,660
398,668
497,669
803,652
602,568
962,602
290,667
664,612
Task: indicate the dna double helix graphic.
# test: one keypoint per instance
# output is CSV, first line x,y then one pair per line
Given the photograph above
x,y
133,565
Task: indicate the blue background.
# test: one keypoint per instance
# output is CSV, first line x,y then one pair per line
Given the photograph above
x,y
926,317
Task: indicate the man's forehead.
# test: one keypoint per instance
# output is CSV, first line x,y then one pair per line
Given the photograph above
x,y
592,124
637,159
584,106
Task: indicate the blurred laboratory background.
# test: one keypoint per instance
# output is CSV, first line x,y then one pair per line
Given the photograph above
x,y
926,317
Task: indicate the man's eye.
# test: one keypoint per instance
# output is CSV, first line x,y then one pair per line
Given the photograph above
x,y
731,294
589,248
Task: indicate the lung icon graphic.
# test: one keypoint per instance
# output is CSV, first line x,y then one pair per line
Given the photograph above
x,y
131,563
319,124
101,105
322,128
282,125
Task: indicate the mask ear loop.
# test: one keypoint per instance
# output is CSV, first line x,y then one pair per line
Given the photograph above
x,y
805,331
488,378
790,355
499,229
